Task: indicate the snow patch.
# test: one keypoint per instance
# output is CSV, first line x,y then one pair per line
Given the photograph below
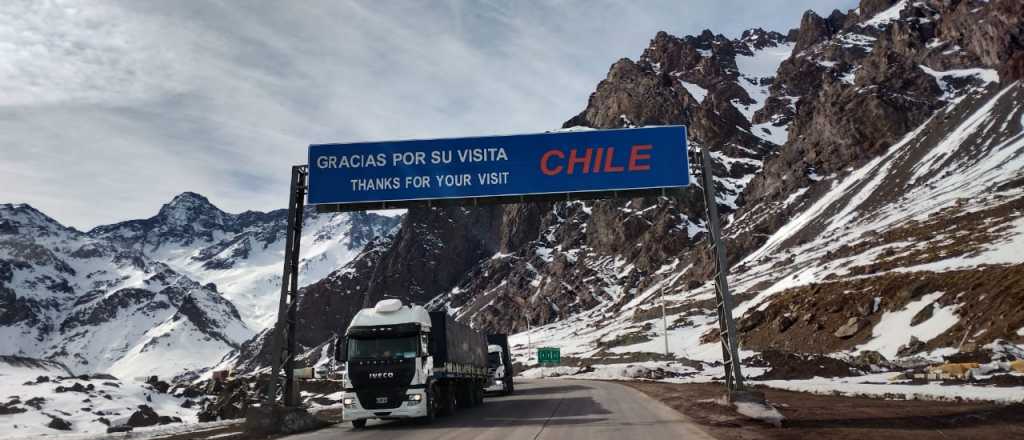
x,y
894,329
698,92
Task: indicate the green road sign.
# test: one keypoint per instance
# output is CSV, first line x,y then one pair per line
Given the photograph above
x,y
549,355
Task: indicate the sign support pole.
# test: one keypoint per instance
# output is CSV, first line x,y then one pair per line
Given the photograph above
x,y
283,346
724,301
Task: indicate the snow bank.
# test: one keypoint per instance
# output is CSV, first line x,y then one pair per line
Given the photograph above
x,y
112,399
876,385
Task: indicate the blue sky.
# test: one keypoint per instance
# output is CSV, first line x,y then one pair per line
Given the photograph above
x,y
110,108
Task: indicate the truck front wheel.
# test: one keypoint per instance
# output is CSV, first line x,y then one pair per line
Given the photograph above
x,y
432,406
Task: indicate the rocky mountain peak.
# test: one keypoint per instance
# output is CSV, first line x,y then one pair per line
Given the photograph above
x,y
815,29
15,217
758,38
191,208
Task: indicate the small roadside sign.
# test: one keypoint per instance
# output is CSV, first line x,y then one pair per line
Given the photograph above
x,y
549,355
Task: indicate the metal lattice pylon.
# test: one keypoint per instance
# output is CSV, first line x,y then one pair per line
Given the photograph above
x,y
723,297
283,348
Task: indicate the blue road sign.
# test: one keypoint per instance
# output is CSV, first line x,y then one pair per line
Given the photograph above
x,y
495,166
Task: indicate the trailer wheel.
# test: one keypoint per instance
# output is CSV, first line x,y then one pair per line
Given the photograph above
x,y
359,424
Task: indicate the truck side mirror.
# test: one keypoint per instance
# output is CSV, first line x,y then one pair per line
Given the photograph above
x,y
341,350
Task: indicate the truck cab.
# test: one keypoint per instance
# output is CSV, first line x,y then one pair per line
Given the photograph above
x,y
499,365
404,362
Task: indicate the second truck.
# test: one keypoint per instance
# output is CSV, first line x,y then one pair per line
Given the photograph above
x,y
404,362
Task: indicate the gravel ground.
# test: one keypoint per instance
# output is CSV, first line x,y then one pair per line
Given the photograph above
x,y
835,417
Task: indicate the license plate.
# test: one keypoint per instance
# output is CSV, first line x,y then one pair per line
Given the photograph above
x,y
382,400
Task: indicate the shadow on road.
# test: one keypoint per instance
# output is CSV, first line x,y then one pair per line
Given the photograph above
x,y
548,390
514,412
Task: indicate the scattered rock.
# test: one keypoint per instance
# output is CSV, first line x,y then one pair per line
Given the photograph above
x,y
751,321
852,326
866,307
36,402
923,315
785,322
983,356
104,421
42,379
166,420
788,366
59,424
158,385
914,346
77,388
119,428
10,408
102,376
145,416
188,403
869,359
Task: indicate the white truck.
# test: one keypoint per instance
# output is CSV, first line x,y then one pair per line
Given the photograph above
x,y
499,365
406,363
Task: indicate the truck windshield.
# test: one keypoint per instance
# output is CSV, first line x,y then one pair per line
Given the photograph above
x,y
493,359
384,348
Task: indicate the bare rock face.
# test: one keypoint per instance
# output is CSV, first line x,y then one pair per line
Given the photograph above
x,y
635,95
868,8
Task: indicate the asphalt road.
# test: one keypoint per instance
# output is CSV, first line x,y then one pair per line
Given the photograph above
x,y
543,409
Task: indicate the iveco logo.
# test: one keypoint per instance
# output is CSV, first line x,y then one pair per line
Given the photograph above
x,y
382,375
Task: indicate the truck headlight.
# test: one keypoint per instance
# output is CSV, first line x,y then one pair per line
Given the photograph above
x,y
348,401
414,399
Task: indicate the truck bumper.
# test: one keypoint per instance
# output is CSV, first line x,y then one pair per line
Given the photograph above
x,y
497,387
408,410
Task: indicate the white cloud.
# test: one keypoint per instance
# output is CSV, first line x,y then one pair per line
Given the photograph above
x,y
108,109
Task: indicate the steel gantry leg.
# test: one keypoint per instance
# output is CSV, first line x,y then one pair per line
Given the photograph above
x,y
723,297
283,347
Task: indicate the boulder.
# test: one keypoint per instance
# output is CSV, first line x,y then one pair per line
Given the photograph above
x,y
923,315
119,428
914,346
751,321
870,358
58,424
166,420
144,416
852,326
785,322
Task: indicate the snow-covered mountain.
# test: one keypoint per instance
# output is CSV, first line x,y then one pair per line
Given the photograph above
x,y
241,254
156,296
98,307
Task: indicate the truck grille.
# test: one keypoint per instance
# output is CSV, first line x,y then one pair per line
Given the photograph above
x,y
381,399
